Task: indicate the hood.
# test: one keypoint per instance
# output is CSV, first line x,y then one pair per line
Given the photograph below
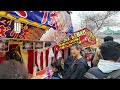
x,y
107,66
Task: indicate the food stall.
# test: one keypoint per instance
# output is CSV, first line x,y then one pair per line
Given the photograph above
x,y
24,30
85,37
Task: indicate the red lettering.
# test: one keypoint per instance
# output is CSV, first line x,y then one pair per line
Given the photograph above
x,y
16,35
12,33
8,28
25,32
2,31
53,21
21,13
9,22
45,16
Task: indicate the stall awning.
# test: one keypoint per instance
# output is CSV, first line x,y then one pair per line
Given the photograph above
x,y
58,20
23,20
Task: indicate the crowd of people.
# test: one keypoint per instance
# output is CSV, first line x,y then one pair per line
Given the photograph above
x,y
104,64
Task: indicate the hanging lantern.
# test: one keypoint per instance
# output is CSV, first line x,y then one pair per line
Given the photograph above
x,y
17,27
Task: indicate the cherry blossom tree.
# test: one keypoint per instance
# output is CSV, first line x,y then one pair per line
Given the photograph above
x,y
96,20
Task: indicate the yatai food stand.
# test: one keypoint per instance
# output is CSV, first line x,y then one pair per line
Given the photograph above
x,y
20,26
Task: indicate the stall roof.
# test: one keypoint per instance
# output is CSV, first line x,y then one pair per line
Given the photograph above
x,y
58,20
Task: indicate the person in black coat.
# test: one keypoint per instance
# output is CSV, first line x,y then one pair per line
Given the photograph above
x,y
79,66
67,63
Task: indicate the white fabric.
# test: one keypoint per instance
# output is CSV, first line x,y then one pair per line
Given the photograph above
x,y
51,53
44,58
107,66
38,58
59,55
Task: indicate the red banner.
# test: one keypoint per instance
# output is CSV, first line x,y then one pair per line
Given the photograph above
x,y
27,31
84,37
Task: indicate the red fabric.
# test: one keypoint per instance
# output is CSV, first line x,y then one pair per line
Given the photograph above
x,y
41,60
30,61
2,59
36,58
47,53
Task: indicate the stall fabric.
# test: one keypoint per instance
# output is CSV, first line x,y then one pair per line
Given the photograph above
x,y
42,61
58,20
27,31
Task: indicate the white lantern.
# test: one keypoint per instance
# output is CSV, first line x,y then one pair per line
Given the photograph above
x,y
17,27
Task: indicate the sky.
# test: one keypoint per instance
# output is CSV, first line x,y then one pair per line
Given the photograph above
x,y
78,16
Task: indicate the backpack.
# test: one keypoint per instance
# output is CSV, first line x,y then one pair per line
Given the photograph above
x,y
113,75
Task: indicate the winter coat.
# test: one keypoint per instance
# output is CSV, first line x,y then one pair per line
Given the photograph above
x,y
104,68
77,69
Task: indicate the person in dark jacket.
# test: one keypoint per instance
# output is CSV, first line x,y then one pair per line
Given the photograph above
x,y
67,63
79,66
110,53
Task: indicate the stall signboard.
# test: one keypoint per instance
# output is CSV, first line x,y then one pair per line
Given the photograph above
x,y
28,32
84,37
58,20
